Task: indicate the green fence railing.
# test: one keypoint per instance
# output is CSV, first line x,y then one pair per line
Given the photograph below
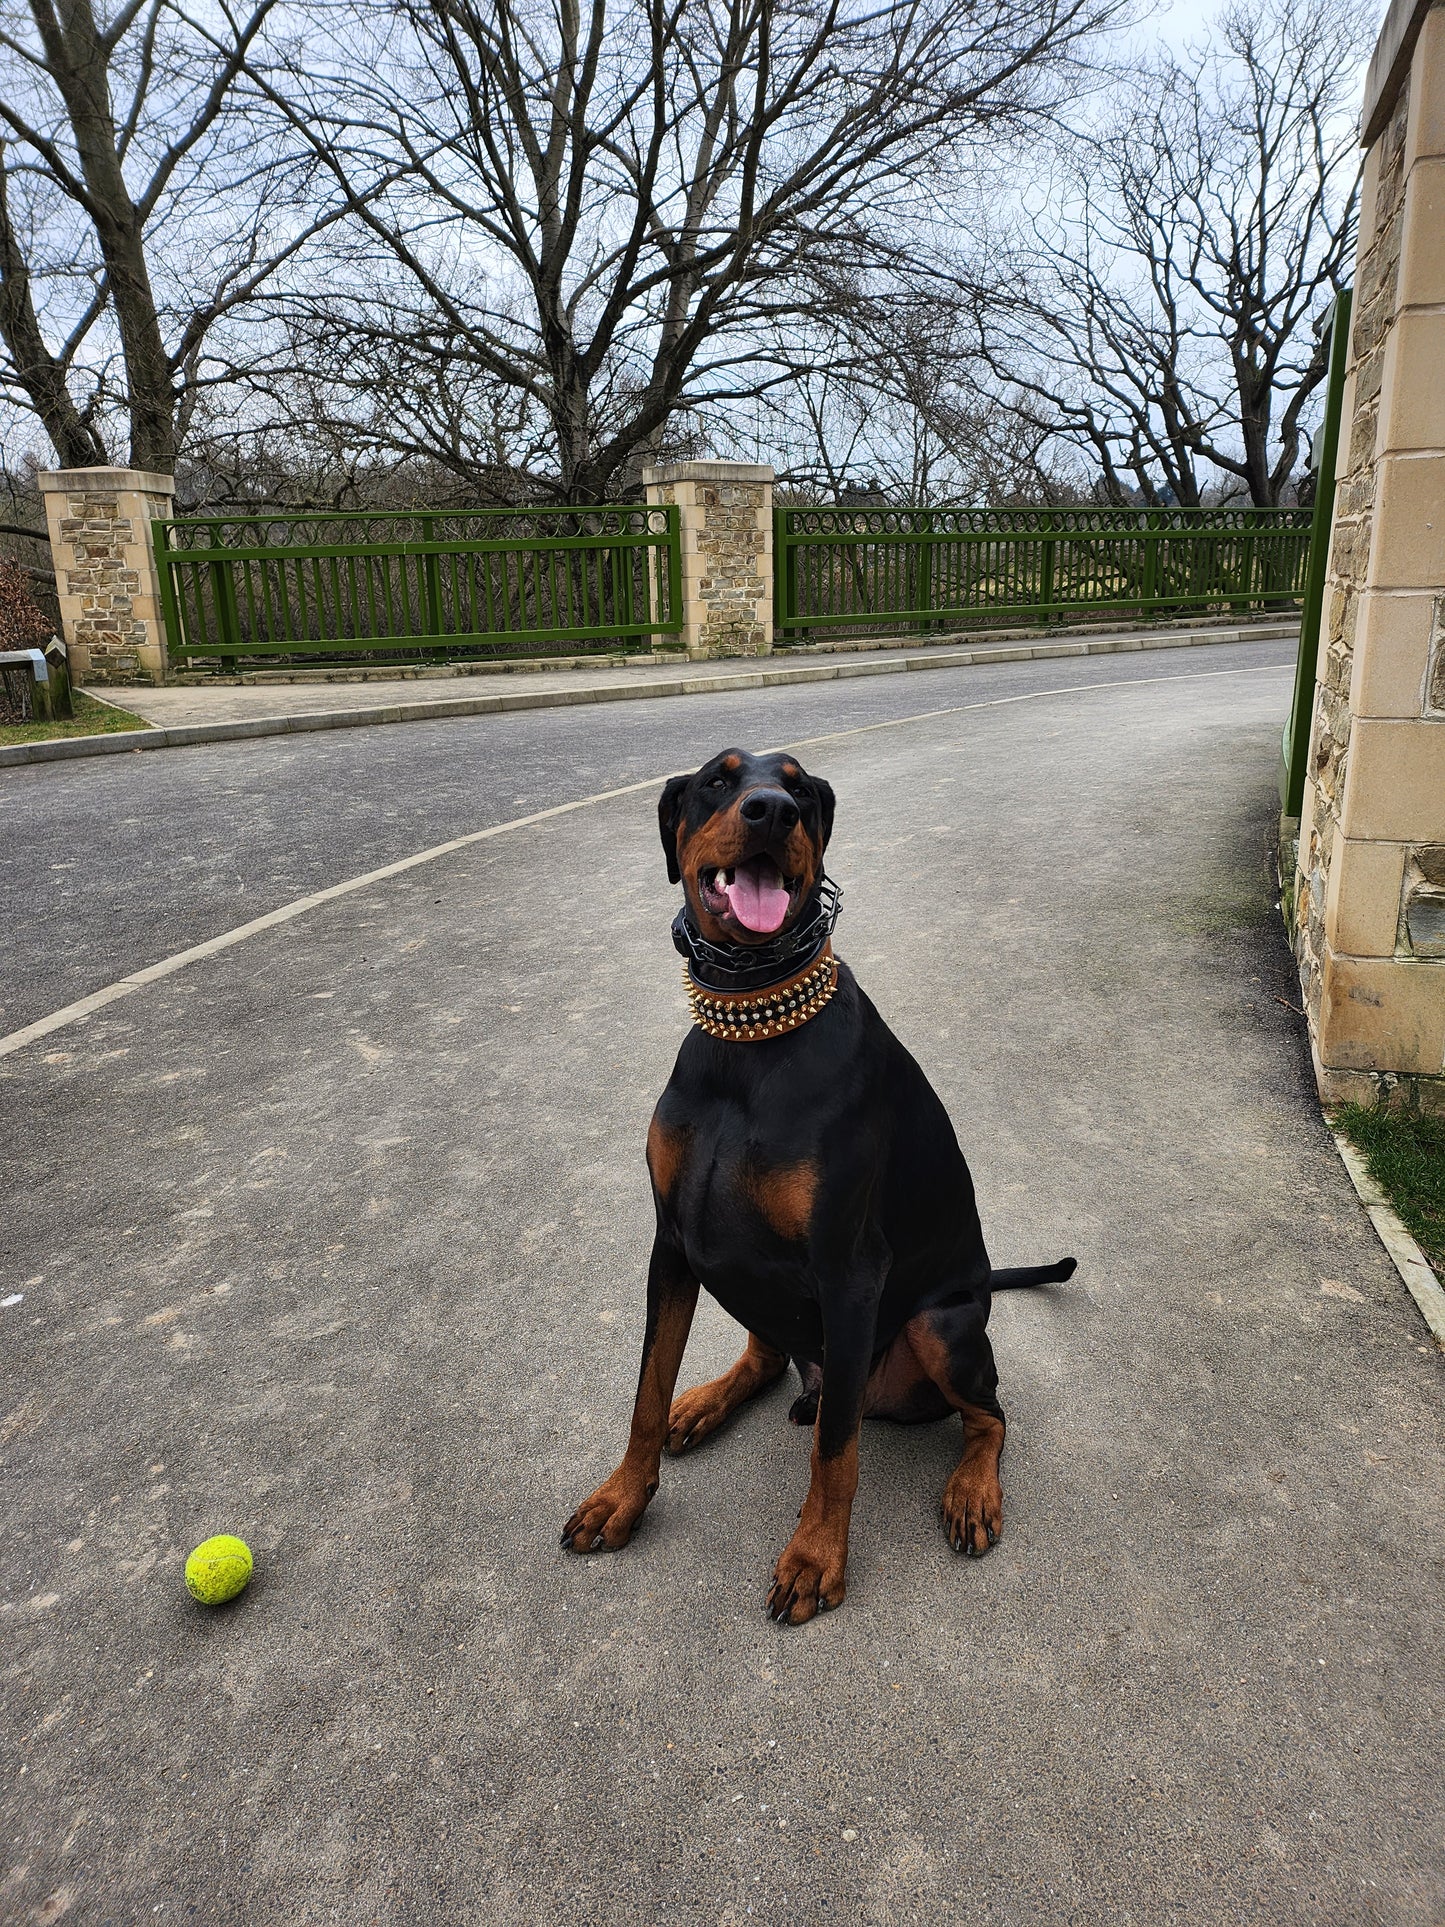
x,y
1294,746
932,567
430,584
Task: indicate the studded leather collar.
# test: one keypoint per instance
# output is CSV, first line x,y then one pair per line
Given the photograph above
x,y
750,1016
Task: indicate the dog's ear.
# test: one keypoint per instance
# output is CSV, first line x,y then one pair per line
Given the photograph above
x,y
826,801
669,816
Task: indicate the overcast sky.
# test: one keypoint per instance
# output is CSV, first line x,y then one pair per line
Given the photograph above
x,y
1186,20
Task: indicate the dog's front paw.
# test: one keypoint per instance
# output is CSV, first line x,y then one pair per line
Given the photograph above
x,y
809,1578
973,1510
604,1522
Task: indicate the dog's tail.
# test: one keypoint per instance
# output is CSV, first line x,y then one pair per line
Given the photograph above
x,y
1033,1275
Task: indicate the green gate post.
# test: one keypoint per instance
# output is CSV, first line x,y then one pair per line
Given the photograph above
x,y
228,613
780,578
785,580
165,577
925,575
431,574
1046,579
615,559
1296,743
674,566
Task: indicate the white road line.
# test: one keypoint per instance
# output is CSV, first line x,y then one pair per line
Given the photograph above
x,y
153,973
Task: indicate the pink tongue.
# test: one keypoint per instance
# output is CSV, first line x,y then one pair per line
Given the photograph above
x,y
757,896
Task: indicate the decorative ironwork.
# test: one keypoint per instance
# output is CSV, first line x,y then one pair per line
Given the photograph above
x,y
430,583
932,566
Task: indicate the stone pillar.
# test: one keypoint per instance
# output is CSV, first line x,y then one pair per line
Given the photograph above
x,y
105,570
1370,887
727,553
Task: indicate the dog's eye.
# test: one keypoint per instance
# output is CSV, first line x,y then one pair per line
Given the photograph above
x,y
717,783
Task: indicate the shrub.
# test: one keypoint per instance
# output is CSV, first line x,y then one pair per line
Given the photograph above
x,y
22,626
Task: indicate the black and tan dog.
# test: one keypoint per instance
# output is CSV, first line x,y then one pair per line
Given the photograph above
x,y
804,1171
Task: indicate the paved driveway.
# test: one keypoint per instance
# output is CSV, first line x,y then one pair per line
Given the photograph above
x,y
122,860
336,1241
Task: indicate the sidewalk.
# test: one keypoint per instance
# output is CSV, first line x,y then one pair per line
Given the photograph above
x,y
618,678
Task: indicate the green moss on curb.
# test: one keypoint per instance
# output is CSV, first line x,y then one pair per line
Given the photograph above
x,y
90,719
1406,1157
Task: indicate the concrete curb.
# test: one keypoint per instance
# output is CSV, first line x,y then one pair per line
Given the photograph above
x,y
1409,1260
661,661
184,736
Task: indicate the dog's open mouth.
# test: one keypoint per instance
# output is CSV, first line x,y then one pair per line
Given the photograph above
x,y
755,894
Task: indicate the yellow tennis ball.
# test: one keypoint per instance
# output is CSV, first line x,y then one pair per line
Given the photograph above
x,y
218,1569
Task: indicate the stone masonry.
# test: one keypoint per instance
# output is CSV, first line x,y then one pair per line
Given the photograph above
x,y
727,553
100,536
1370,888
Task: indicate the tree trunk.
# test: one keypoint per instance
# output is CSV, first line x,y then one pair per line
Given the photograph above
x,y
77,444
78,66
1254,414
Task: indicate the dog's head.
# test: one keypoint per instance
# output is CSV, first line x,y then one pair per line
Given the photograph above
x,y
745,837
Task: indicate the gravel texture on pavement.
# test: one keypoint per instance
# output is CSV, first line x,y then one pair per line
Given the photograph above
x,y
336,1242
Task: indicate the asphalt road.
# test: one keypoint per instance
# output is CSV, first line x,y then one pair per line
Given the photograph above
x,y
110,864
336,1241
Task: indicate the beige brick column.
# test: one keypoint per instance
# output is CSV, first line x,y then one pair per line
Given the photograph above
x,y
1370,905
727,553
105,570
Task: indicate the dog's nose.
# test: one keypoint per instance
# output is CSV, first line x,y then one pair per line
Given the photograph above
x,y
772,811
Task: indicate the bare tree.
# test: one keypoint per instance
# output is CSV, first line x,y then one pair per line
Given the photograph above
x,y
141,205
1168,302
610,210
884,404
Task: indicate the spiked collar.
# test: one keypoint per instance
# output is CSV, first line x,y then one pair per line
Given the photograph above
x,y
750,1016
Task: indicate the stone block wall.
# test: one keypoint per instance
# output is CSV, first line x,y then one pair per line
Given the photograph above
x,y
99,521
1370,888
727,553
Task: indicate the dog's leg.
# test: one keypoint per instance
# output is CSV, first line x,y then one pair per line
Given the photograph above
x,y
952,1347
812,1572
606,1519
706,1407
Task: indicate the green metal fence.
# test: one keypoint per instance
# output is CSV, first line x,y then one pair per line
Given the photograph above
x,y
934,567
1294,747
428,585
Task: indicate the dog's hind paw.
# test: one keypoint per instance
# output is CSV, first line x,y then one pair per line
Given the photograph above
x,y
696,1415
605,1521
972,1511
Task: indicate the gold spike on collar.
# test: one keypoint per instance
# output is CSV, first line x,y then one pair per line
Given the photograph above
x,y
748,1016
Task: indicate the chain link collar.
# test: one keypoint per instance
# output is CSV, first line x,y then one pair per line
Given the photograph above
x,y
805,939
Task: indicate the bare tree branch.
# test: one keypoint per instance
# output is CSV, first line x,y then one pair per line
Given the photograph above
x,y
601,207
1168,307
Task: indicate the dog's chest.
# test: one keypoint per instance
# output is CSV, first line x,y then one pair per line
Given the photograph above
x,y
735,1185
743,1201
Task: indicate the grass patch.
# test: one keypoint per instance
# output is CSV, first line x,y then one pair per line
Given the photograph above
x,y
90,719
1406,1156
